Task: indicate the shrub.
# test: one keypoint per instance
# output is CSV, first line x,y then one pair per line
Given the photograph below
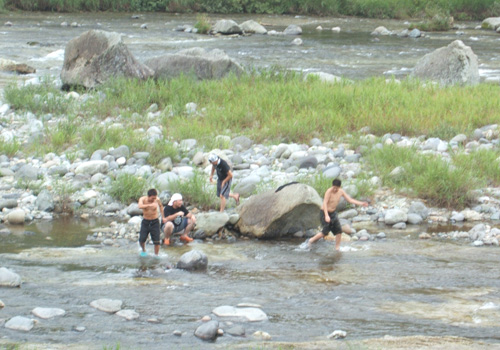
x,y
202,24
196,191
9,148
127,188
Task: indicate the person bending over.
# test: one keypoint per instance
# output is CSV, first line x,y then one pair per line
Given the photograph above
x,y
176,218
224,179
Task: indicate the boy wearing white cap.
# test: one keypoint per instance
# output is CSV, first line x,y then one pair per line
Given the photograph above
x,y
224,180
177,218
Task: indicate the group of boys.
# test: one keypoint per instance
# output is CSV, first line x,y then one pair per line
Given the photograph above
x,y
177,219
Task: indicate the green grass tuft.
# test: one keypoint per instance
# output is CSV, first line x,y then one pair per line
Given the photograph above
x,y
127,188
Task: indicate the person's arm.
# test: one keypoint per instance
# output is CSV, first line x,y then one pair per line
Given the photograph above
x,y
352,200
191,216
328,193
141,203
212,173
228,177
161,210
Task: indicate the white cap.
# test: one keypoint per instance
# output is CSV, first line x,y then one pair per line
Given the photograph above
x,y
175,197
212,157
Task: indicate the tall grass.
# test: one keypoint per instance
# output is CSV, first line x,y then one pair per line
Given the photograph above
x,y
424,176
483,164
127,188
271,107
9,148
197,190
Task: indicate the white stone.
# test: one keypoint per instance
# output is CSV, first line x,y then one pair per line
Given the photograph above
x,y
47,313
128,314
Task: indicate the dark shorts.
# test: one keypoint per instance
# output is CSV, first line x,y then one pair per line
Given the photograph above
x,y
332,226
150,227
178,228
225,190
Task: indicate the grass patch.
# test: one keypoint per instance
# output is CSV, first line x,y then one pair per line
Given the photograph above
x,y
424,176
483,164
202,24
127,188
9,148
197,191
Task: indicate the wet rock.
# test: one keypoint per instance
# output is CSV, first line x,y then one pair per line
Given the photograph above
x,y
47,313
297,41
241,143
193,260
16,217
414,219
9,278
211,222
338,334
128,314
8,203
453,64
424,235
394,216
196,61
293,29
107,305
207,331
381,31
236,331
2,305
177,333
274,214
251,26
45,201
95,56
420,209
261,335
19,323
249,314
226,27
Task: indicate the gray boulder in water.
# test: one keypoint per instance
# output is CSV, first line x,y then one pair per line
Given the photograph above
x,y
196,61
193,260
450,65
275,214
96,56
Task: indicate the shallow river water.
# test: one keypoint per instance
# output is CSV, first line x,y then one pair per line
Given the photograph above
x,y
39,40
400,286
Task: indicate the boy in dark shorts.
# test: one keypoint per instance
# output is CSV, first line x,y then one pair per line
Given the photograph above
x,y
224,180
328,215
150,225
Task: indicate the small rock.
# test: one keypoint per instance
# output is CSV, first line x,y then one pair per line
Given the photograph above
x,y
338,334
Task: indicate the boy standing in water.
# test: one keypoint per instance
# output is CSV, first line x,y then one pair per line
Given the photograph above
x,y
328,214
150,224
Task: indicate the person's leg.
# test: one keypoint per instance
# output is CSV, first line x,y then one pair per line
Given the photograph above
x,y
347,229
236,197
222,203
168,229
155,236
143,235
338,239
316,237
184,227
189,227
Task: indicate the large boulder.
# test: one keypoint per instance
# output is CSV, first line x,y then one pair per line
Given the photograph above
x,y
9,278
274,214
227,27
251,26
211,222
450,65
491,23
193,260
213,64
96,56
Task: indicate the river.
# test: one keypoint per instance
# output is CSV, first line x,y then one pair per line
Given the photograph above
x,y
38,39
399,286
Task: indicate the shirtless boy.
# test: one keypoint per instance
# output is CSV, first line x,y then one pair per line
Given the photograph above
x,y
328,215
150,205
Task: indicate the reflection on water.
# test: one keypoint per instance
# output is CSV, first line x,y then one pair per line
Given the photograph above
x,y
398,286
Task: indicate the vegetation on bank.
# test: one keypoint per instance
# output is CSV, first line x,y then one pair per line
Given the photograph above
x,y
460,9
271,107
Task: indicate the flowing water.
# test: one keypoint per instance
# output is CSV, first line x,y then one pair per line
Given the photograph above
x,y
398,286
39,40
